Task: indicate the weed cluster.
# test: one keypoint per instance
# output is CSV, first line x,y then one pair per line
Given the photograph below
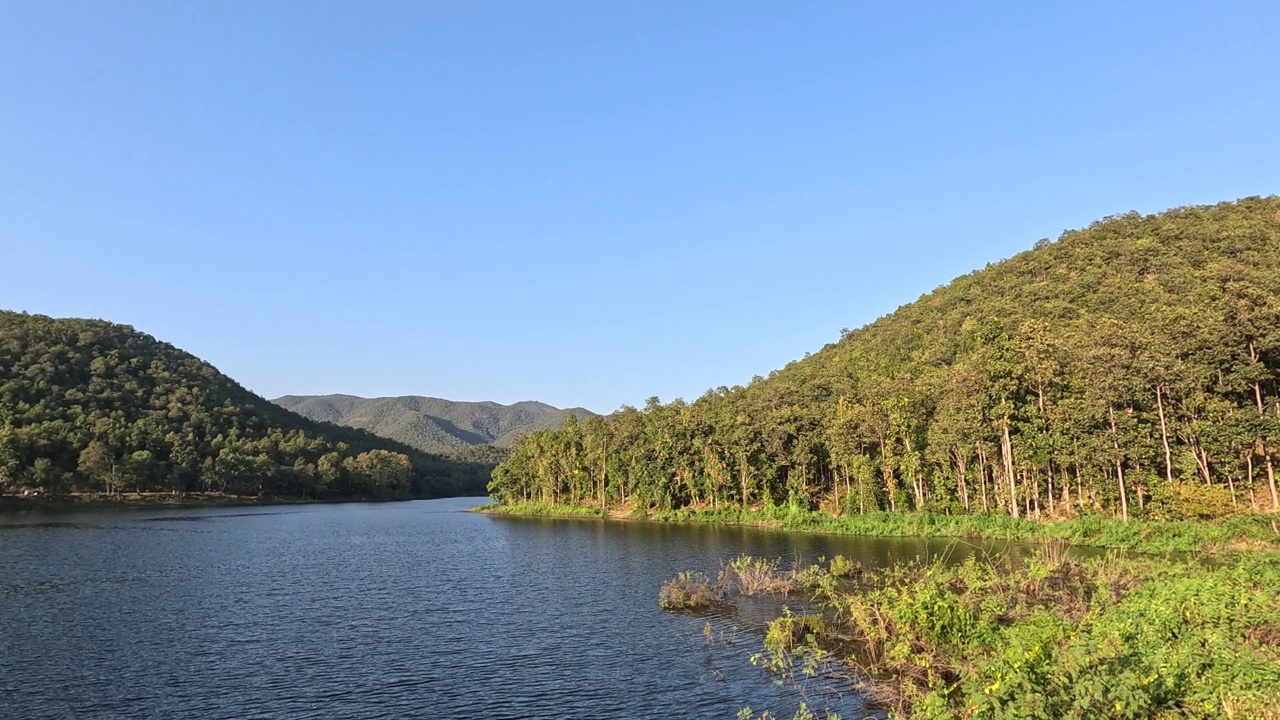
x,y
748,575
1118,636
690,590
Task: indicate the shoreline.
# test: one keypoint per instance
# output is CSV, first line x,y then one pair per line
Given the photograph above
x,y
155,501
1254,532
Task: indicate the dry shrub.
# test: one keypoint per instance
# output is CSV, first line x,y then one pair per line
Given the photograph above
x,y
691,590
755,576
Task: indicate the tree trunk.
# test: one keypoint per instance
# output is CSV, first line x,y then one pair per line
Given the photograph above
x,y
1257,387
917,482
835,489
1079,487
1271,481
1006,450
1266,452
622,486
1202,462
887,472
1248,465
1034,481
982,477
848,490
1164,436
604,463
1049,478
1124,498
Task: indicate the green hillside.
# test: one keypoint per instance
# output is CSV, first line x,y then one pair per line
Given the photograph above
x,y
433,424
92,406
1129,368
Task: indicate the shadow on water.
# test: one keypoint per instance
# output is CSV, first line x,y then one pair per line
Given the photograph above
x,y
728,541
207,517
49,524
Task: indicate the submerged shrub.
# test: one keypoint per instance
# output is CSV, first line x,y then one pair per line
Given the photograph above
x,y
691,590
757,576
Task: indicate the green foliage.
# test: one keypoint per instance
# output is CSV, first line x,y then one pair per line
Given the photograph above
x,y
489,456
1130,369
792,647
843,567
88,406
1050,637
786,632
1183,641
534,510
1184,501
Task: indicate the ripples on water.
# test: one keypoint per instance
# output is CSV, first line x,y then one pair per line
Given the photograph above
x,y
378,611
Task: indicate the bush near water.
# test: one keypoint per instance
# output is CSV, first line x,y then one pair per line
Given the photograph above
x,y
1044,637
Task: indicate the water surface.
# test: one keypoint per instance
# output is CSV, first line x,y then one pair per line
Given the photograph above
x,y
414,610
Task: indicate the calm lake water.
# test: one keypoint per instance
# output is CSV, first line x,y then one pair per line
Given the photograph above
x,y
397,610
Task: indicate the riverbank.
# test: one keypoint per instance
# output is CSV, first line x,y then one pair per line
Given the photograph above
x,y
1120,636
1245,532
139,501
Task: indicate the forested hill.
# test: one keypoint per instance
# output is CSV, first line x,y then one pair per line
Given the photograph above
x,y
1129,368
91,406
433,424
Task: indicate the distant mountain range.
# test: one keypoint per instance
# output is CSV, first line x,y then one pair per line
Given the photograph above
x,y
433,424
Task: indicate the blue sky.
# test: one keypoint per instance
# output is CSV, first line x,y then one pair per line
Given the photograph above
x,y
585,203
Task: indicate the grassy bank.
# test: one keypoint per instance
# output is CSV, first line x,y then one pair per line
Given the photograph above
x,y
1246,532
541,510
1040,637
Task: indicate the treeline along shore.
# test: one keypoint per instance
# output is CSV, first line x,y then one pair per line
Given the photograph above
x,y
1127,370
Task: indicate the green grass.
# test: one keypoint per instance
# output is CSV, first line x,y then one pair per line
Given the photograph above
x,y
1100,638
1045,636
1258,532
540,510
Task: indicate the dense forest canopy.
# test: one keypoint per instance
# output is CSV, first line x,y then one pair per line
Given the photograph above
x,y
1128,368
91,406
433,424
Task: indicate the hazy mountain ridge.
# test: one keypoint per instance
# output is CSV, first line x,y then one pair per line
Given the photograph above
x,y
430,423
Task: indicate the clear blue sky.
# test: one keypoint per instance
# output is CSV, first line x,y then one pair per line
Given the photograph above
x,y
586,203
